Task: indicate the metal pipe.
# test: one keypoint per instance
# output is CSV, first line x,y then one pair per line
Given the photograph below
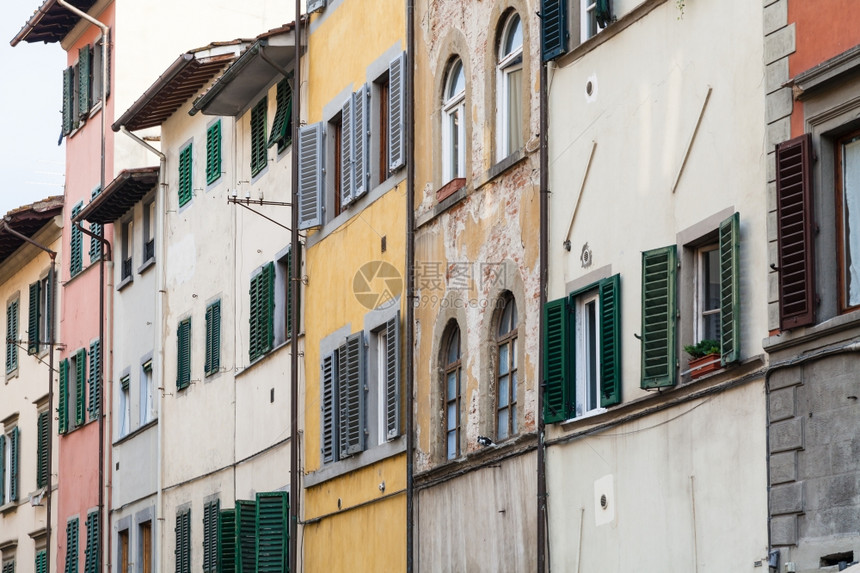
x,y
410,285
542,296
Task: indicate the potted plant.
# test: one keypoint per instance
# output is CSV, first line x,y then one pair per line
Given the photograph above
x,y
704,357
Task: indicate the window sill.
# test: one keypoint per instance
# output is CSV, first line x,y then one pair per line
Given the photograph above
x,y
146,264
802,335
355,462
125,282
450,188
10,506
503,166
11,374
477,459
262,358
136,432
449,201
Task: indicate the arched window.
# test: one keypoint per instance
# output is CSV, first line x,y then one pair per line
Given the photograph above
x,y
506,371
451,360
454,123
509,88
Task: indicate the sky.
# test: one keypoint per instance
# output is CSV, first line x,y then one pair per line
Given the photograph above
x,y
31,162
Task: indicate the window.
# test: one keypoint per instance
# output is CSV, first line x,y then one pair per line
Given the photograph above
x,y
97,67
37,317
82,85
127,238
354,147
95,404
509,88
396,134
282,127
284,291
147,394
384,87
454,123
595,16
258,136
42,445
145,537
213,338
213,153
123,551
10,463
707,301
73,393
72,545
183,354
183,541
582,356
210,536
76,257
124,406
185,188
96,228
342,178
254,534
848,207
148,230
45,311
12,336
92,554
452,373
262,311
388,379
506,371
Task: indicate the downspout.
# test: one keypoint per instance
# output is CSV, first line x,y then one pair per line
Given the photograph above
x,y
160,329
542,285
294,311
410,285
52,287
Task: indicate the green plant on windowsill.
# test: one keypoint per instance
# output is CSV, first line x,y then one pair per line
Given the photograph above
x,y
703,348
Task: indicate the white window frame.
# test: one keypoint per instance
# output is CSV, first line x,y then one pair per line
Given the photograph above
x,y
147,393
124,421
44,311
699,304
454,106
588,9
587,371
508,65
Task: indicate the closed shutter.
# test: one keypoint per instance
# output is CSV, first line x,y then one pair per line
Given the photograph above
x,y
396,113
2,469
210,537
553,20
63,401
182,552
392,377
14,462
93,550
795,228
310,176
96,228
213,152
42,561
185,176
72,546
9,567
730,345
558,398
610,341
76,257
213,338
351,395
282,125
347,152
183,354
291,291
68,91
42,450
33,317
273,532
80,385
84,81
246,536
361,141
658,317
12,336
262,312
258,136
328,408
95,379
227,541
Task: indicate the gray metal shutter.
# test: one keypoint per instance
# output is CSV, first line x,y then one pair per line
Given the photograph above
x,y
347,162
328,408
361,141
392,377
397,112
311,176
351,390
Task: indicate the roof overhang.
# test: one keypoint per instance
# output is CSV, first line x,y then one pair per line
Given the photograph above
x,y
51,22
257,67
121,194
27,220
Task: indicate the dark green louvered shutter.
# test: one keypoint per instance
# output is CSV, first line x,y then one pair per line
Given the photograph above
x,y
72,546
658,317
12,336
392,377
246,536
311,188
33,316
95,379
282,126
730,345
610,341
273,532
84,81
213,152
258,136
210,536
351,394
328,408
96,228
227,541
80,385
558,398
41,561
183,354
182,531
262,312
213,338
603,13
2,468
14,462
9,566
185,176
290,293
553,20
396,113
68,94
63,401
76,257
92,555
42,450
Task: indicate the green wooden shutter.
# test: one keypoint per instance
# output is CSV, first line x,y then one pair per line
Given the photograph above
x,y
558,401
2,469
92,555
246,536
72,546
273,532
361,142
182,531
290,293
185,176
392,377
213,338
227,541
95,379
9,567
42,450
80,385
259,154
282,125
76,257
41,561
311,187
610,341
96,228
730,345
14,462
328,408
33,317
262,314
84,81
12,336
183,354
553,20
213,152
658,317
63,401
396,113
347,153
351,394
68,90
210,536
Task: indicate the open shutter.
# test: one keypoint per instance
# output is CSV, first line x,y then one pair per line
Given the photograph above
x,y
84,81
95,379
281,126
12,336
610,341
347,158
210,537
262,293
80,385
259,153
603,13
33,316
185,190
558,398
246,536
396,113
72,546
351,391
795,227
328,408
14,462
213,152
658,317
96,228
182,552
183,354
291,291
213,338
42,450
361,141
273,532
93,550
63,401
310,176
2,468
68,90
392,377
553,20
730,346
227,541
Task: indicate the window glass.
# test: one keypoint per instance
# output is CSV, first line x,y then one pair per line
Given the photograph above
x,y
506,373
850,183
452,393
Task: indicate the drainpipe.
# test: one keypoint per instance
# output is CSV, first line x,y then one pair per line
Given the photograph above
x,y
294,311
160,329
410,285
52,287
542,285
